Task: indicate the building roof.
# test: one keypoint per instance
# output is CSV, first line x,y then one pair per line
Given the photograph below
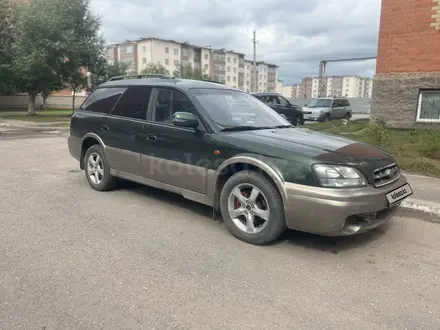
x,y
186,43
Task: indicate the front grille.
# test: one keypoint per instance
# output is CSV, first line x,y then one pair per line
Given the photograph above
x,y
386,175
308,112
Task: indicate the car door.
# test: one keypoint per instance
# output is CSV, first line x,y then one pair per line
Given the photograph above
x,y
122,130
177,156
335,111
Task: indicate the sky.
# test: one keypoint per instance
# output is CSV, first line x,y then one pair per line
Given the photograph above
x,y
293,34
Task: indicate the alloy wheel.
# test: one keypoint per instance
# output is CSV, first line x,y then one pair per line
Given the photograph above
x,y
248,208
95,168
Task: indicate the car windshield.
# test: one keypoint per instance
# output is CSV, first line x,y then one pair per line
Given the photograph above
x,y
320,103
235,109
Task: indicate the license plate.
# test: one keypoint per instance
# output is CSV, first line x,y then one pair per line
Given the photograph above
x,y
306,117
399,194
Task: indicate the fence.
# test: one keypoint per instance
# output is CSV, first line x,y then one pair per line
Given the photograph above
x,y
358,105
52,102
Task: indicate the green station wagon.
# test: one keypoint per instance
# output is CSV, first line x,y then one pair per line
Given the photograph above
x,y
224,148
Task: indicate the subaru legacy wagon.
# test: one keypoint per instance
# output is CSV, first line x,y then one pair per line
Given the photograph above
x,y
224,148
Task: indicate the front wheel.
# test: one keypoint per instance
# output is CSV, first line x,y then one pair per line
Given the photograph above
x,y
252,208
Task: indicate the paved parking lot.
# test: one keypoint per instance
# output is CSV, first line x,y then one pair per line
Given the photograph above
x,y
136,257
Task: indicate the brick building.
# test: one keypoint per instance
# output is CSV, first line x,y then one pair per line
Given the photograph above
x,y
406,87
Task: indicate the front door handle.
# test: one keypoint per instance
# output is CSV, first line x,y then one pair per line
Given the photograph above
x,y
148,136
105,127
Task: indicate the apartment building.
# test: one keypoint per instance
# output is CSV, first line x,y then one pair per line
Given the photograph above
x,y
266,77
222,65
346,86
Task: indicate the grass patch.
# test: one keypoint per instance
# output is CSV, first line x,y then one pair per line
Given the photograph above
x,y
417,151
59,115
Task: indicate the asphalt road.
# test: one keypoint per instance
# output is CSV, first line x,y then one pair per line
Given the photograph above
x,y
136,257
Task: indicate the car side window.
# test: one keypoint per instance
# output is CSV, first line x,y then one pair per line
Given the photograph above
x,y
272,100
335,104
346,103
169,102
102,100
283,101
133,103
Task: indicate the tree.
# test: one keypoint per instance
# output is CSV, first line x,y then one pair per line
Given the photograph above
x,y
153,68
56,38
187,72
8,34
103,71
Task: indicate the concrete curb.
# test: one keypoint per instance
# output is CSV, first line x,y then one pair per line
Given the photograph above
x,y
431,208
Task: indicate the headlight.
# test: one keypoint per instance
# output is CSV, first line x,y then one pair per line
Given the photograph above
x,y
334,176
321,111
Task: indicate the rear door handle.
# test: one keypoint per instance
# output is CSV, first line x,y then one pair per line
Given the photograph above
x,y
148,136
105,127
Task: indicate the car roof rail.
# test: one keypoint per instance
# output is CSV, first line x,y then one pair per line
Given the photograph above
x,y
142,76
213,81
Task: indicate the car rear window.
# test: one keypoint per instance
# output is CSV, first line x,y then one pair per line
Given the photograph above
x,y
102,100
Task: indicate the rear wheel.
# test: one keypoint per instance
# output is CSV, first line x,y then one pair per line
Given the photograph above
x,y
326,118
252,208
347,116
97,170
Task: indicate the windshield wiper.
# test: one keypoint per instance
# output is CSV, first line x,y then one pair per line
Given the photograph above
x,y
283,126
244,128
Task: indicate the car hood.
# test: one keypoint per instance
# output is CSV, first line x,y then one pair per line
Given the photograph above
x,y
287,143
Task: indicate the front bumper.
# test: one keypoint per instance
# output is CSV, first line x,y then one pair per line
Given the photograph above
x,y
314,116
338,212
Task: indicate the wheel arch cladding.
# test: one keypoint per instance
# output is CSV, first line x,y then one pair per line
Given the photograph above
x,y
86,144
239,165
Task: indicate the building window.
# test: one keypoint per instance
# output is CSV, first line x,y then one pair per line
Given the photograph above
x,y
229,59
206,66
144,60
235,86
144,49
176,62
129,49
176,51
206,56
229,78
428,109
234,79
229,69
235,60
167,50
235,70
167,61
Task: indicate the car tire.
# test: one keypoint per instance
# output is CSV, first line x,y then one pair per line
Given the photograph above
x,y
326,118
347,116
97,169
300,120
266,204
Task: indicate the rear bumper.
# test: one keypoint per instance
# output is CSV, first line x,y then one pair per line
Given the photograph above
x,y
74,144
338,212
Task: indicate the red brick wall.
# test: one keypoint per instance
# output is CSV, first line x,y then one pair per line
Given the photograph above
x,y
407,40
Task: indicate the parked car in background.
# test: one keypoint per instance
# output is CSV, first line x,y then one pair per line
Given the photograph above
x,y
280,104
222,147
325,109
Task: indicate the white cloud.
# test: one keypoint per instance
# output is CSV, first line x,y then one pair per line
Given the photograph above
x,y
294,34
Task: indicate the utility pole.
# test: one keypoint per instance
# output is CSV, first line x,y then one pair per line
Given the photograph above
x,y
254,80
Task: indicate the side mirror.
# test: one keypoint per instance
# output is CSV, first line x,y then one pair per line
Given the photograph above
x,y
185,119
